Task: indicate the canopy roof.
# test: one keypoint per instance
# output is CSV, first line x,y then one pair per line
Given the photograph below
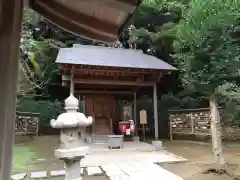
x,y
110,57
96,19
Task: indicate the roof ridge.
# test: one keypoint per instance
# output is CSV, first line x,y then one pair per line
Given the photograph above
x,y
104,47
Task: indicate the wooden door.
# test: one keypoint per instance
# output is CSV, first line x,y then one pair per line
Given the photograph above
x,y
89,106
102,108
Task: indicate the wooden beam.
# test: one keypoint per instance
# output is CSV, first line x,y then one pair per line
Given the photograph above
x,y
155,77
72,27
109,72
110,82
102,92
79,16
10,28
67,68
155,110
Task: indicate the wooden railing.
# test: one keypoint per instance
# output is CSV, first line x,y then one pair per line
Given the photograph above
x,y
27,123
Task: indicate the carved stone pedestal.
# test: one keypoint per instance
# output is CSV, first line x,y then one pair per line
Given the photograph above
x,y
72,168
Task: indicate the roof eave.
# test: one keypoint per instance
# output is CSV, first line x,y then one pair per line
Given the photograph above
x,y
130,68
80,26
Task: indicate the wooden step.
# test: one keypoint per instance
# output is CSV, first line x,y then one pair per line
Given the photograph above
x,y
102,127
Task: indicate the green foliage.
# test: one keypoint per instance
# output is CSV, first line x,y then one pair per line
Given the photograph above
x,y
172,5
48,110
201,35
155,22
28,44
167,102
205,49
229,98
37,56
204,36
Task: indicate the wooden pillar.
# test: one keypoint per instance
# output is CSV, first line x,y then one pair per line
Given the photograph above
x,y
10,27
170,129
80,102
84,104
155,109
72,82
135,112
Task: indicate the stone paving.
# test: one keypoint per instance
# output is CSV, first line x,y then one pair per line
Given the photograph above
x,y
199,156
138,171
98,159
125,171
117,165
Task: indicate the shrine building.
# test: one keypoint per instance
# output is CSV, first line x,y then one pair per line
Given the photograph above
x,y
97,75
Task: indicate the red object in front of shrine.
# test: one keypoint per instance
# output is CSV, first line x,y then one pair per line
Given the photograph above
x,y
124,125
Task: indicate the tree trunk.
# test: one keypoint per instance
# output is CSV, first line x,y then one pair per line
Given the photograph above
x,y
219,162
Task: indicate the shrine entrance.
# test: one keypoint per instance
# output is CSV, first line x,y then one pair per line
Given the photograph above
x,y
102,108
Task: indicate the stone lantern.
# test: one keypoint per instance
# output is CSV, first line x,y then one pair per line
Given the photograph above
x,y
72,150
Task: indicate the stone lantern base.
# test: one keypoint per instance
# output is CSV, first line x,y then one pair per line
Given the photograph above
x,y
72,153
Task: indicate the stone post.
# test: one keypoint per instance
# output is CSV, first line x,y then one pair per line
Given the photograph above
x,y
72,150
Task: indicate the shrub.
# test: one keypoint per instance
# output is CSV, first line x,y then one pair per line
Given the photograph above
x,y
47,109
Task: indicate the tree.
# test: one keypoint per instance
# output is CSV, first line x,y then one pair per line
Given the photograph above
x,y
207,53
29,68
36,57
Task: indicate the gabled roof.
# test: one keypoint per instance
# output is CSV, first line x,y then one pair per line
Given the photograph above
x,y
110,57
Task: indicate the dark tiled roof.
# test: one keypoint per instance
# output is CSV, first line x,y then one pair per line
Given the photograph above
x,y
110,57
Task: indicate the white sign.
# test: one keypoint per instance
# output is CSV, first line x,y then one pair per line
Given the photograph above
x,y
128,132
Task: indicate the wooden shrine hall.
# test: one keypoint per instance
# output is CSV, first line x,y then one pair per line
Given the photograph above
x,y
98,74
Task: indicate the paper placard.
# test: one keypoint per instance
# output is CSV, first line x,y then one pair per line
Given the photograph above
x,y
128,131
143,116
